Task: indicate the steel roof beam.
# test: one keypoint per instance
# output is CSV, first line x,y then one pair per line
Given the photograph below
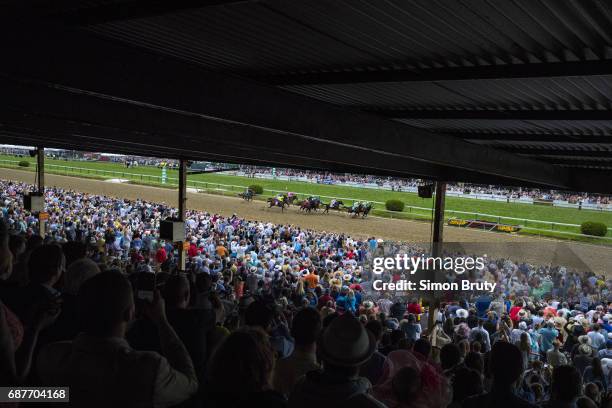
x,y
561,114
533,70
32,135
536,151
576,161
26,128
165,131
532,137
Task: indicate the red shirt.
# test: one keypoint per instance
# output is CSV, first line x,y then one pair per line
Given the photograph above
x,y
160,255
514,313
414,308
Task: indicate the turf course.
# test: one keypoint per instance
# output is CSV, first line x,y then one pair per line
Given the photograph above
x,y
150,175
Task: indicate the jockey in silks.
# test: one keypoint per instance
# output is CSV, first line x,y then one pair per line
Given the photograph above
x,y
355,206
280,197
333,202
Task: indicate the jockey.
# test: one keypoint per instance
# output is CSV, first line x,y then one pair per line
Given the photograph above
x,y
355,206
333,203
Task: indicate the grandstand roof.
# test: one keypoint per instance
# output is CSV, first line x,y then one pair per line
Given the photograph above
x,y
486,91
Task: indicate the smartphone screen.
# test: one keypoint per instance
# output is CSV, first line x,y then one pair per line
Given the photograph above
x,y
146,286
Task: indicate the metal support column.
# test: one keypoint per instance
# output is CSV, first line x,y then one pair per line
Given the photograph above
x,y
40,178
436,245
182,207
438,227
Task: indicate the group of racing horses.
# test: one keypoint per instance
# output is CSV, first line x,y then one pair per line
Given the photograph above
x,y
313,203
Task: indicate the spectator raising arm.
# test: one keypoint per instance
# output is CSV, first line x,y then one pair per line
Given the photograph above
x,y
176,376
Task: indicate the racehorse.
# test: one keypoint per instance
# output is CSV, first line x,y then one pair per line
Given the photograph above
x,y
305,206
309,204
275,202
247,195
334,205
291,198
363,209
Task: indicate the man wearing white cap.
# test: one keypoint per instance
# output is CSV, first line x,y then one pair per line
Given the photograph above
x,y
515,334
461,313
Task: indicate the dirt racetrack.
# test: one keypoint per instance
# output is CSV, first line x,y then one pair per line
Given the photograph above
x,y
518,247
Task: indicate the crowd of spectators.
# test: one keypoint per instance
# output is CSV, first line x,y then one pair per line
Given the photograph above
x,y
535,194
275,315
401,184
328,177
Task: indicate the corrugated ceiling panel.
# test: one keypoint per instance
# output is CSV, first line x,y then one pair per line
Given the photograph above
x,y
513,126
306,36
317,35
385,95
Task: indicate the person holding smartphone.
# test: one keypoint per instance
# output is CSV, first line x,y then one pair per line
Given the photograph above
x,y
99,365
